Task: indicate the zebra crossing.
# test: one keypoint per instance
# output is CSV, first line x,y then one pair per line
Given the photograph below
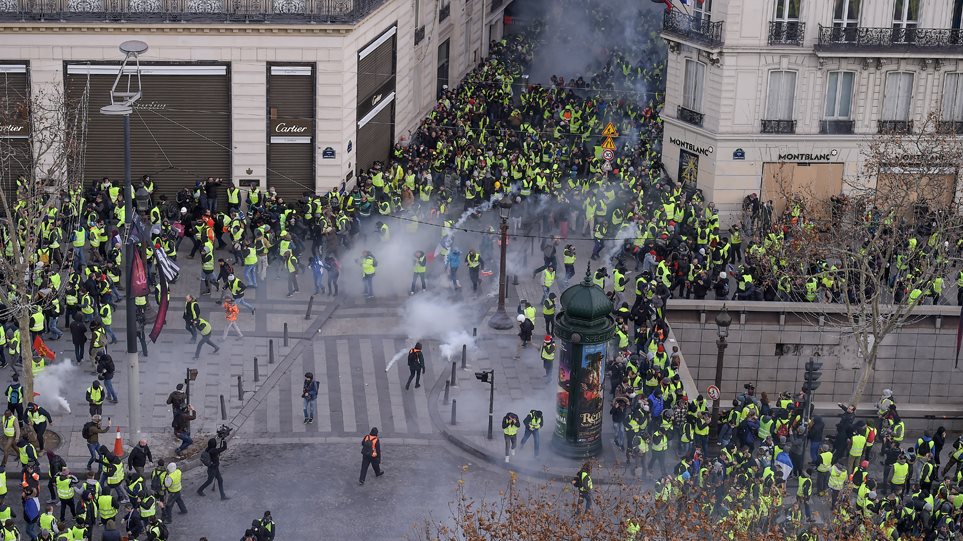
x,y
355,392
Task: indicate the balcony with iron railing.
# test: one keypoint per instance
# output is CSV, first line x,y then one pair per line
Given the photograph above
x,y
895,126
919,41
779,126
786,33
699,31
836,127
204,11
689,116
444,12
950,126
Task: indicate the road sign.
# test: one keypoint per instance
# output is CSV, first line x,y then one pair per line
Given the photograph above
x,y
609,131
608,155
608,144
713,392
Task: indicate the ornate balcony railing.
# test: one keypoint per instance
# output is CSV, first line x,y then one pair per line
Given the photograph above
x,y
689,116
836,127
165,11
920,40
695,29
895,126
950,126
778,126
419,34
786,32
444,12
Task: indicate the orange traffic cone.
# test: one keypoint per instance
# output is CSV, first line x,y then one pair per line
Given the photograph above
x,y
118,445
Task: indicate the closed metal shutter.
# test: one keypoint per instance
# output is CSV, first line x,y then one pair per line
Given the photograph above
x,y
291,156
376,93
375,138
180,128
15,153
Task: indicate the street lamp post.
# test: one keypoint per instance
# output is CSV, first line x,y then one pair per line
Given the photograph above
x,y
500,319
488,376
121,104
723,320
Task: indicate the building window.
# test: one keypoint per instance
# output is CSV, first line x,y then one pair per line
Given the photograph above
x,y
782,91
787,11
897,96
839,95
695,76
702,11
952,110
846,13
906,14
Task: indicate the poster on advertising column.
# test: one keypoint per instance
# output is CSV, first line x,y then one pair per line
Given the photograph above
x,y
562,394
588,408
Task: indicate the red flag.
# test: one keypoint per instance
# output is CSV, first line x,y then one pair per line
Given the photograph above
x,y
161,309
41,348
668,5
138,276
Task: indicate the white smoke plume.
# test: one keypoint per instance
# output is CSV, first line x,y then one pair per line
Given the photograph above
x,y
49,384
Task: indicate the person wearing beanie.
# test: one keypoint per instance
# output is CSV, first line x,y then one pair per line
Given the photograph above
x,y
548,355
172,484
416,366
370,455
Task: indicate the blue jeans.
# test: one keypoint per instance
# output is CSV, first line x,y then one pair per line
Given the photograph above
x,y
534,435
368,281
453,276
53,329
241,302
310,408
185,438
109,385
94,455
250,275
814,450
79,260
110,333
619,434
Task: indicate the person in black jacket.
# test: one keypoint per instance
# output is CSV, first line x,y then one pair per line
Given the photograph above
x,y
105,371
213,463
78,335
139,457
370,455
416,366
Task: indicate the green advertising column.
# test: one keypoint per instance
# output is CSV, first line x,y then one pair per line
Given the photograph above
x,y
583,327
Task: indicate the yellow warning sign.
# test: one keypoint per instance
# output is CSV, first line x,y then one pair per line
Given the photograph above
x,y
608,144
609,131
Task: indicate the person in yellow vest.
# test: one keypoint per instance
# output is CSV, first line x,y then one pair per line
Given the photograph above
x,y
65,482
475,264
805,491
419,271
11,435
857,445
48,522
205,329
173,487
548,312
291,267
583,482
368,266
899,478
838,477
107,507
548,355
533,422
510,426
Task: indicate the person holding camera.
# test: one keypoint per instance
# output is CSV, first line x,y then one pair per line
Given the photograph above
x,y
211,458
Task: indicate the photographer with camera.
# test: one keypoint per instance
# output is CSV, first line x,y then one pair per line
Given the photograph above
x,y
211,458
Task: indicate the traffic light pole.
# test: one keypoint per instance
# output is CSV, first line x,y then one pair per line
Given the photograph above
x,y
491,403
811,383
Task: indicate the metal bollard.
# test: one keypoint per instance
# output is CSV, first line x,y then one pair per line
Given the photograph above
x,y
464,356
285,334
257,372
474,331
310,305
454,405
454,383
515,280
223,409
240,389
447,391
271,351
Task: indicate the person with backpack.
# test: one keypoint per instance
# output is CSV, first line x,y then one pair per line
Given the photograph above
x,y
533,422
583,482
15,397
211,459
370,455
310,395
91,433
416,366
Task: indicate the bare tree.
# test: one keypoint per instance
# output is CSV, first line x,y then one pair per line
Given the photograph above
x,y
886,245
627,510
45,194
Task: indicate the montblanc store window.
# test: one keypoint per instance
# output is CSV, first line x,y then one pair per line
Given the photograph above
x,y
180,128
377,64
15,157
291,149
811,175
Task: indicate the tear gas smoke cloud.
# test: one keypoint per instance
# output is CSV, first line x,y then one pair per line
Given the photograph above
x,y
435,317
49,383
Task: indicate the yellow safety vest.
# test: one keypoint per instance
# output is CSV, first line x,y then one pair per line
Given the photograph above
x,y
175,477
64,489
107,510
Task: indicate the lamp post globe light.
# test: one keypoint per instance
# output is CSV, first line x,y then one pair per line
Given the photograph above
x,y
122,100
500,320
723,321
